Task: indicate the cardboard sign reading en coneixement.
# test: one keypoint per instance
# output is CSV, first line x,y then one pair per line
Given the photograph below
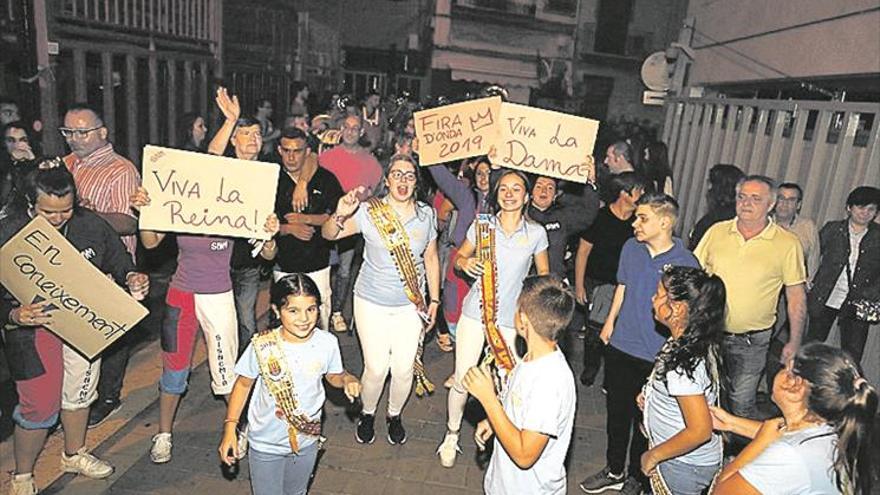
x,y
88,309
544,142
457,131
205,194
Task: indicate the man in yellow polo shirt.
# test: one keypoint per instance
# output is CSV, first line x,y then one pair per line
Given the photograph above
x,y
755,258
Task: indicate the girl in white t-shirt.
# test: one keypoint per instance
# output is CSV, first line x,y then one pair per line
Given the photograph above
x,y
822,442
685,455
287,363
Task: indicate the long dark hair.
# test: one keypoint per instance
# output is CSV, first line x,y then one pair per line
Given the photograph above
x,y
294,284
656,168
705,296
185,137
723,179
840,394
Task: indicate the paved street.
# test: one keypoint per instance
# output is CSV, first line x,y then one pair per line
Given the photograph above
x,y
344,467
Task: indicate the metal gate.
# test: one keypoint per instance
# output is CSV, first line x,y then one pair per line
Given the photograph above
x,y
828,148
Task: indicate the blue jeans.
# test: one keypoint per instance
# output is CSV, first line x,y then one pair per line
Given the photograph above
x,y
686,479
744,357
273,474
245,286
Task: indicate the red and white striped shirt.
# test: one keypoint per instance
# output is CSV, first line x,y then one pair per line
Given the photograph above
x,y
106,180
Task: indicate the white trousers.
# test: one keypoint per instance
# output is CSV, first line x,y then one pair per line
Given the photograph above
x,y
322,280
389,337
470,339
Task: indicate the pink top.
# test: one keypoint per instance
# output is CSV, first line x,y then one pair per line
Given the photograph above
x,y
352,168
203,264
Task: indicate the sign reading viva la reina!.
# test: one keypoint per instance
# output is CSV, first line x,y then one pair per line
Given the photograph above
x,y
88,309
197,193
544,142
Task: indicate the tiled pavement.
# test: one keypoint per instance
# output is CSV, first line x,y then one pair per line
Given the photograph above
x,y
344,467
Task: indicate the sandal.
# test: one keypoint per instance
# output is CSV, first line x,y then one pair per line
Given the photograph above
x,y
444,342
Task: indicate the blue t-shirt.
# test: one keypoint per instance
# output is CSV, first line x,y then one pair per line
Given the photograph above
x,y
308,361
379,280
799,463
513,258
663,416
635,330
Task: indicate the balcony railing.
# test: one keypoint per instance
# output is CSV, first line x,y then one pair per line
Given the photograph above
x,y
523,7
193,19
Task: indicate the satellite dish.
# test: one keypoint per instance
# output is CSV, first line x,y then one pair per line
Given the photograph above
x,y
655,72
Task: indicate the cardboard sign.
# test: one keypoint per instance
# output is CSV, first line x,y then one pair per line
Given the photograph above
x,y
457,131
89,311
545,142
197,193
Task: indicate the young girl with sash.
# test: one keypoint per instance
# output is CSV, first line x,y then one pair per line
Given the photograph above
x,y
498,252
392,315
684,454
287,363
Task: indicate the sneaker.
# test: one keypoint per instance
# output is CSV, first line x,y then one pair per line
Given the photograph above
x,y
337,321
449,449
23,484
242,443
160,452
631,486
602,481
85,464
396,433
103,410
365,432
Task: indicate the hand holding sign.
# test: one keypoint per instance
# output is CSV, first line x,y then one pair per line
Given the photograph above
x,y
31,315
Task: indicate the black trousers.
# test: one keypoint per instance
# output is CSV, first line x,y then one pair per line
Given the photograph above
x,y
853,333
624,377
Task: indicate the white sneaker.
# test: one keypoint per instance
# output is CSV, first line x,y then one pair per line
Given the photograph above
x,y
85,464
449,449
337,321
23,484
242,442
160,452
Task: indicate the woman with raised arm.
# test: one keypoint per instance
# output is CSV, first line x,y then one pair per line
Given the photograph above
x,y
821,444
498,252
392,315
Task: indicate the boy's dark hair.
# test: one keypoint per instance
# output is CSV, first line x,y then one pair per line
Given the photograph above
x,y
863,196
662,204
547,303
293,133
623,182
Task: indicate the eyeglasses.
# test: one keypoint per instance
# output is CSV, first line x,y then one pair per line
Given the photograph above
x,y
67,132
404,176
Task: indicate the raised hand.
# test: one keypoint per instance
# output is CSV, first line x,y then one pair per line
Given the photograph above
x,y
229,106
139,198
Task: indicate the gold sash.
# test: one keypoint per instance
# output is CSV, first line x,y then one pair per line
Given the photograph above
x,y
500,353
396,240
276,376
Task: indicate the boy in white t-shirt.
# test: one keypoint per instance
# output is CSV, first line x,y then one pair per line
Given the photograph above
x,y
532,421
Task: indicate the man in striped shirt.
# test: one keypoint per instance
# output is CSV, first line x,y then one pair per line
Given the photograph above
x,y
104,181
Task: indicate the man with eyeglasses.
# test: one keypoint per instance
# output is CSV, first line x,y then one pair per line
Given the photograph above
x,y
105,180
301,247
756,259
353,165
787,214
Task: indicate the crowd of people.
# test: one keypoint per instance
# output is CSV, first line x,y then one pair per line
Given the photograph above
x,y
492,264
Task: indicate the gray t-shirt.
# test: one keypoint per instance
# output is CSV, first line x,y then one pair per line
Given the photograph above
x,y
540,397
663,416
799,463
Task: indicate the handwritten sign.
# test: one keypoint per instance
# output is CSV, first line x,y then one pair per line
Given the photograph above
x,y
88,310
545,142
206,194
457,131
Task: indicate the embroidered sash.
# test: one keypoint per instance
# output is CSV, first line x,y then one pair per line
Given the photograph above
x,y
277,377
500,353
396,240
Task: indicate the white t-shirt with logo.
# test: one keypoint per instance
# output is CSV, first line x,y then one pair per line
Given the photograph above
x,y
540,397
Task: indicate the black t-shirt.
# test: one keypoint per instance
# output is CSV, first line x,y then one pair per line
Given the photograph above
x,y
608,234
295,255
